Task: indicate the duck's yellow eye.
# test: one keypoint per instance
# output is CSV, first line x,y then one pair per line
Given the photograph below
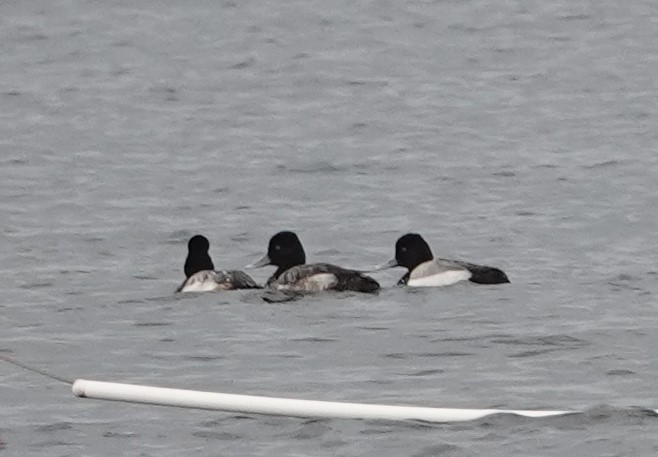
x,y
277,247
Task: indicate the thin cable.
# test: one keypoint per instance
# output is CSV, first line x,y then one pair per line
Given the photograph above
x,y
36,370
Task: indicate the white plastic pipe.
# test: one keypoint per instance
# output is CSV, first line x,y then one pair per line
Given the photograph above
x,y
282,406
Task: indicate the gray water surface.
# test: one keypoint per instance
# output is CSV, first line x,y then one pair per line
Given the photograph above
x,y
515,134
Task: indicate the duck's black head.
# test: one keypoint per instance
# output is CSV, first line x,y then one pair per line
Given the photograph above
x,y
284,251
197,255
411,250
198,243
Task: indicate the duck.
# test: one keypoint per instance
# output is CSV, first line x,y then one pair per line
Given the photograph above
x,y
293,274
413,253
201,275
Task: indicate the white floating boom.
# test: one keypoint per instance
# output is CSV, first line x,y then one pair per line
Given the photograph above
x,y
282,406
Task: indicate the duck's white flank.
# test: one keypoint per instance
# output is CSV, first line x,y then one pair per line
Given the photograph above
x,y
436,274
313,283
203,281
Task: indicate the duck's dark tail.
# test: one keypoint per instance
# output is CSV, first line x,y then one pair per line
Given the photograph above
x,y
488,275
242,280
357,283
482,274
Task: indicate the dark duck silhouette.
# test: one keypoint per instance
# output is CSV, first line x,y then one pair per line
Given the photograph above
x,y
286,252
413,253
201,274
